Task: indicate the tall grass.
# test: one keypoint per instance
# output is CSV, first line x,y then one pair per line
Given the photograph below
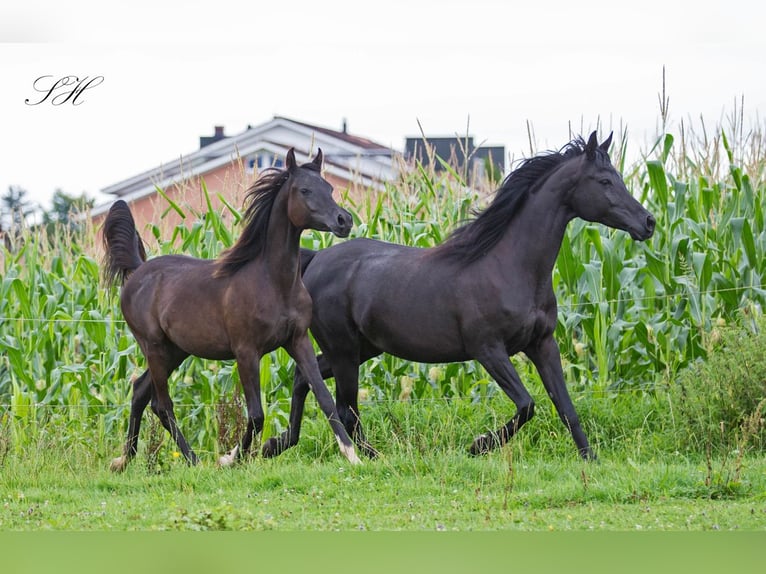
x,y
632,315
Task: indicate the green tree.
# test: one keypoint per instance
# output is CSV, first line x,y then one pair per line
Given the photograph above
x,y
14,209
66,210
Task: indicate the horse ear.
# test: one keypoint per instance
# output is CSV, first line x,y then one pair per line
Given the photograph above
x,y
606,143
290,159
318,159
590,147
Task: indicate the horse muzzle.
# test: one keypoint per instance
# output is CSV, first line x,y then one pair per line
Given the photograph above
x,y
646,231
343,223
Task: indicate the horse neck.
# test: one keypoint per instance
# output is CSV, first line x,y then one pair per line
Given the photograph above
x,y
282,254
534,236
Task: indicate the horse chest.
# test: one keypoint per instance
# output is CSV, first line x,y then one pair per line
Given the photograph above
x,y
519,329
272,318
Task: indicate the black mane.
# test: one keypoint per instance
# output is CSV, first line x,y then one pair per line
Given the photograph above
x,y
259,199
473,240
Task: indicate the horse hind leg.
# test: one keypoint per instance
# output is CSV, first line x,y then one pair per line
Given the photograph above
x,y
500,368
161,365
142,392
347,396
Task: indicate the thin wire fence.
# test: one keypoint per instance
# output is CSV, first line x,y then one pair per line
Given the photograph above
x,y
561,306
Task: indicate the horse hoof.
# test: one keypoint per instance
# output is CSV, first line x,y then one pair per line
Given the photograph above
x,y
369,451
228,459
349,452
118,464
482,444
354,459
270,448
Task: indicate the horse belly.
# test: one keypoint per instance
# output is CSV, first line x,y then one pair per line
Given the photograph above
x,y
414,336
202,338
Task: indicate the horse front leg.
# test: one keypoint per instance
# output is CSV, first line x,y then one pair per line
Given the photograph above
x,y
495,360
249,363
546,357
301,350
142,393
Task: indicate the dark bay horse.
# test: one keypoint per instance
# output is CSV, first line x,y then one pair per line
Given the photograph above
x,y
486,293
246,303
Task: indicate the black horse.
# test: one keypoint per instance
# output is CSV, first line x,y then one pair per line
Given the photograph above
x,y
484,294
245,304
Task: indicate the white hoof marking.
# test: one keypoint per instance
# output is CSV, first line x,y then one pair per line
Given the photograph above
x,y
349,452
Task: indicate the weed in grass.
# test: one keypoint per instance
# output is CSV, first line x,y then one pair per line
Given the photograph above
x,y
5,437
718,403
154,443
231,422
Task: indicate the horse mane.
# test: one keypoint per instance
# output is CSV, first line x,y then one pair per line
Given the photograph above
x,y
474,239
259,200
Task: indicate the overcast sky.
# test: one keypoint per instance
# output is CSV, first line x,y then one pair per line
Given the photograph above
x,y
172,70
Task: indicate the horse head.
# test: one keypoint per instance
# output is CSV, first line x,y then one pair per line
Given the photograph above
x,y
599,194
310,204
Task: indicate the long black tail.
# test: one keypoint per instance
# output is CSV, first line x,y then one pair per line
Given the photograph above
x,y
124,250
306,256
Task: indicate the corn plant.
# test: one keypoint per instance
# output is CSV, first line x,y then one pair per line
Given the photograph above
x,y
631,315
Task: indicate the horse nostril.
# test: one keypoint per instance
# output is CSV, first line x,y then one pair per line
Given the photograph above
x,y
344,220
650,222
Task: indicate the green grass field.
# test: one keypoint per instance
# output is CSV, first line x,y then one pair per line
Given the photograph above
x,y
662,345
425,481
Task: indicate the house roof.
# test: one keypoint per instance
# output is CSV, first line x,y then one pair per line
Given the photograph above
x,y
343,135
346,156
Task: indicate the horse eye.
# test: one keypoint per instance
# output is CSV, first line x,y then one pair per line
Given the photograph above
x,y
305,191
605,181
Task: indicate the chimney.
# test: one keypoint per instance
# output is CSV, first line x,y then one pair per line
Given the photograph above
x,y
217,135
345,126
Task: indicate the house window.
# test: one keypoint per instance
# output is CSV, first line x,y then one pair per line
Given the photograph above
x,y
265,160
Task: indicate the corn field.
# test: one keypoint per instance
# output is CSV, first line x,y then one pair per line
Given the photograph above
x,y
631,315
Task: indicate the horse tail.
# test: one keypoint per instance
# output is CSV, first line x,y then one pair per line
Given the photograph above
x,y
307,255
124,250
